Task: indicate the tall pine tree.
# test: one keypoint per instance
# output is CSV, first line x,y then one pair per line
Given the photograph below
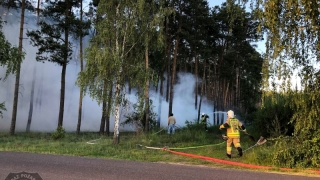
x,y
53,38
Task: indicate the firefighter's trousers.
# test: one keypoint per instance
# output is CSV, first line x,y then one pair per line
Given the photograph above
x,y
235,142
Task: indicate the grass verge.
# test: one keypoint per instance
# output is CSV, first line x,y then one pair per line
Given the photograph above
x,y
193,141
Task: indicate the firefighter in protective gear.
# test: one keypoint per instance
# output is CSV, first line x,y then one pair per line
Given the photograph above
x,y
203,121
233,125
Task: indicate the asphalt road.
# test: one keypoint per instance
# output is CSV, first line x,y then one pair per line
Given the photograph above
x,y
54,167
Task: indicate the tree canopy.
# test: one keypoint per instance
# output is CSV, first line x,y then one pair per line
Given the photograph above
x,y
9,55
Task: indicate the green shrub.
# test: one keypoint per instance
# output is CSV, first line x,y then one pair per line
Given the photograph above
x,y
138,120
193,125
295,153
2,108
273,119
59,134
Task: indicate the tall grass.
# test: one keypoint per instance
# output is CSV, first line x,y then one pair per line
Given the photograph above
x,y
196,141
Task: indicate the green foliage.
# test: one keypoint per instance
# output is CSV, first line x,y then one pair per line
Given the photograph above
x,y
59,133
50,38
113,52
261,155
251,114
292,28
157,62
307,107
295,112
194,125
108,54
297,153
292,42
251,78
2,108
274,117
137,119
241,69
17,4
9,55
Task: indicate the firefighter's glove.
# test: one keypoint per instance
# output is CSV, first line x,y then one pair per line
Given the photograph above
x,y
224,137
245,131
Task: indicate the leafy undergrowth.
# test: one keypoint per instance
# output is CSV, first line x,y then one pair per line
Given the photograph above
x,y
141,147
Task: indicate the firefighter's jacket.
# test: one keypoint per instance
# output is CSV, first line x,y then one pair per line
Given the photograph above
x,y
233,125
203,119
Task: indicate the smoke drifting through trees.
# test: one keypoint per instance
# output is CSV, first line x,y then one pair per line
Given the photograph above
x,y
47,90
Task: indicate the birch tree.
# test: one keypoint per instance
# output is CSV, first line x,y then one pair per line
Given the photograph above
x,y
121,26
107,54
10,58
151,20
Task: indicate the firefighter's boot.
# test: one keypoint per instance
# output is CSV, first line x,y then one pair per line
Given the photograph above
x,y
239,151
229,156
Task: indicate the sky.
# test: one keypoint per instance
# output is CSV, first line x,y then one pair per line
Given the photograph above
x,y
215,2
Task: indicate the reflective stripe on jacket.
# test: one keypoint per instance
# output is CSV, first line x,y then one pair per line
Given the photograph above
x,y
233,130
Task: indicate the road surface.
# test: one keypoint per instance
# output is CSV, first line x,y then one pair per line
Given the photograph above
x,y
54,167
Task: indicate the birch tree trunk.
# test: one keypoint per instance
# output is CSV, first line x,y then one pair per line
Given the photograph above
x,y
116,138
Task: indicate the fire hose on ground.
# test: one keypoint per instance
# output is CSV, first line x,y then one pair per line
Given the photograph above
x,y
227,162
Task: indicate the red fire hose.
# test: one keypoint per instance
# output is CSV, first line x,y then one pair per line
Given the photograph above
x,y
233,163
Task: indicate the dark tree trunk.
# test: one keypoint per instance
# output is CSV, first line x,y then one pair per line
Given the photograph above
x,y
147,110
38,11
202,89
167,55
64,68
17,83
168,80
108,111
103,117
196,85
81,69
62,94
174,64
31,102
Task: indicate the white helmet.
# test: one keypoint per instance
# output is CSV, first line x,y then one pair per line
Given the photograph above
x,y
230,114
203,113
